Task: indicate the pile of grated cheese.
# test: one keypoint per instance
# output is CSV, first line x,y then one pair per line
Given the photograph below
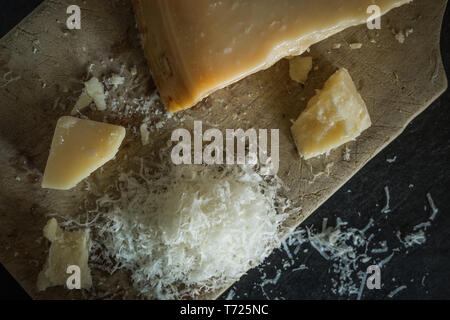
x,y
183,231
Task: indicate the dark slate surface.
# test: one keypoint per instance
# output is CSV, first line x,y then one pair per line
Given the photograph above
x,y
422,166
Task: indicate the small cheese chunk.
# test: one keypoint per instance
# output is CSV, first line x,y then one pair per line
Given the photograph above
x,y
336,115
145,134
93,92
355,46
299,68
96,91
79,148
67,249
83,102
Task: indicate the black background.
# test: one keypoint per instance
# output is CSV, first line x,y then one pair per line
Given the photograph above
x,y
423,154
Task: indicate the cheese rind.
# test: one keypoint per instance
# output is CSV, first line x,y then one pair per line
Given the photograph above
x,y
334,116
79,147
196,47
67,249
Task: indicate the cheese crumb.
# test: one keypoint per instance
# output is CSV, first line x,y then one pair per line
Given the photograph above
x,y
299,68
400,37
145,134
95,90
83,102
346,154
116,80
355,46
408,32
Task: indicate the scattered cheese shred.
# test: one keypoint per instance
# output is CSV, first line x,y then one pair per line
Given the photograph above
x,y
412,239
345,247
386,208
396,291
434,209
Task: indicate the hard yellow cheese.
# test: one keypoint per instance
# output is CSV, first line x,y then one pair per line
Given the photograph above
x,y
79,147
197,47
336,115
67,249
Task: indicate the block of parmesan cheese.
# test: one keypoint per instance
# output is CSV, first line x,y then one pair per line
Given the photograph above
x,y
334,116
67,249
79,148
196,47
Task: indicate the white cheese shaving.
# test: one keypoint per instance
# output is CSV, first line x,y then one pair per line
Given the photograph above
x,y
361,288
9,78
300,268
396,291
230,295
412,239
273,281
434,209
386,208
391,160
386,260
423,225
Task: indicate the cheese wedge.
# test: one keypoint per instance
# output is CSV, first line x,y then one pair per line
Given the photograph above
x,y
79,148
196,47
335,116
67,249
